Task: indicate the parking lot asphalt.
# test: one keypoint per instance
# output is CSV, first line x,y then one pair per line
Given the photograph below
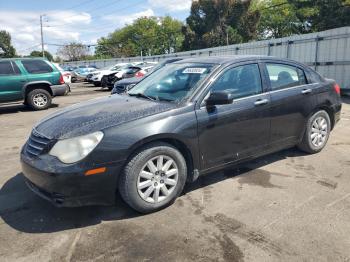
x,y
287,206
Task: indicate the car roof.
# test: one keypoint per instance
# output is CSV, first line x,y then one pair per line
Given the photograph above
x,y
231,59
25,58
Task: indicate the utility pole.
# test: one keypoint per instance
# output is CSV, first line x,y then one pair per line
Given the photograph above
x,y
42,35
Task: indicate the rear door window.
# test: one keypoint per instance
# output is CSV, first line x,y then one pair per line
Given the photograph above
x,y
283,76
36,66
6,68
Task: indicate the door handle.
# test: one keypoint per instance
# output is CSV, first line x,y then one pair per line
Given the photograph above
x,y
306,91
261,102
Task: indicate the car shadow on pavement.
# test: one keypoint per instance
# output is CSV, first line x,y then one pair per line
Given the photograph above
x,y
16,108
252,168
24,211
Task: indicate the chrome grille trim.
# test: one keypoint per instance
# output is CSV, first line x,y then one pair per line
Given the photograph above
x,y
36,143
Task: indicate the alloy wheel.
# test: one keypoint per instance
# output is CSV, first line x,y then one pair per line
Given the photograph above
x,y
319,131
40,100
157,179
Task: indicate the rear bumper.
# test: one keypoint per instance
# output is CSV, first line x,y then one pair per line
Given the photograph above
x,y
59,90
72,189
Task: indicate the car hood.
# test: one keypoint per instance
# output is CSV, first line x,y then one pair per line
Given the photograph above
x,y
98,114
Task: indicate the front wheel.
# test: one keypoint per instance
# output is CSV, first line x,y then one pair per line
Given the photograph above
x,y
39,99
154,177
104,82
317,132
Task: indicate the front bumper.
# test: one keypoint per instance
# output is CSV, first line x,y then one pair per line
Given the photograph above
x,y
65,188
59,90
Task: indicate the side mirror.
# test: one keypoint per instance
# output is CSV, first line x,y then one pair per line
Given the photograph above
x,y
219,98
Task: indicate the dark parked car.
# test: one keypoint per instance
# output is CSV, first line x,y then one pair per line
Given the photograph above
x,y
124,85
192,117
109,80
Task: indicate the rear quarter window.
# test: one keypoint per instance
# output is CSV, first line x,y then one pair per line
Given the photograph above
x,y
37,66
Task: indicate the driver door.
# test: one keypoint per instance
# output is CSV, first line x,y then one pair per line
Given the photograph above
x,y
236,131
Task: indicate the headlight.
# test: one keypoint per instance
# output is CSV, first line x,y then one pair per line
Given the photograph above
x,y
74,149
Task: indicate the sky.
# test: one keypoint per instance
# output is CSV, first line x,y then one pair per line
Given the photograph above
x,y
77,20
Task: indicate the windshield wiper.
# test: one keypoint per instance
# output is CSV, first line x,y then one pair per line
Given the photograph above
x,y
144,96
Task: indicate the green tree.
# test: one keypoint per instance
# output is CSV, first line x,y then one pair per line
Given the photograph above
x,y
40,54
218,22
320,15
73,52
6,48
151,35
277,19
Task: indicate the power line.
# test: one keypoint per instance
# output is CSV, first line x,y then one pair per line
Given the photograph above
x,y
96,8
78,5
29,48
102,15
117,43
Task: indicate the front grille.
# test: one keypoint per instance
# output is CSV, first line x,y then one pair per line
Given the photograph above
x,y
36,144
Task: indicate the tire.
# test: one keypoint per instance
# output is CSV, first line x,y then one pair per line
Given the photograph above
x,y
97,84
104,82
34,101
317,132
134,187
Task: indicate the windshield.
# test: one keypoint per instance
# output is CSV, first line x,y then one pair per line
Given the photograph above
x,y
173,82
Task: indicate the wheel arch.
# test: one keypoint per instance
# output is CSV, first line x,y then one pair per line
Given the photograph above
x,y
172,140
37,85
326,107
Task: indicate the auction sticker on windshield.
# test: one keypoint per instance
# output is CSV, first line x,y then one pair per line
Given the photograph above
x,y
194,70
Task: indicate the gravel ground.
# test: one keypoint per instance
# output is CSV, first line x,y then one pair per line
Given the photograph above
x,y
286,206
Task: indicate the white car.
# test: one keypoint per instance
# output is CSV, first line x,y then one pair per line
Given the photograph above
x,y
67,76
97,75
119,69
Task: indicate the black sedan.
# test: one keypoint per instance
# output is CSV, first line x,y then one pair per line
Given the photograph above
x,y
192,117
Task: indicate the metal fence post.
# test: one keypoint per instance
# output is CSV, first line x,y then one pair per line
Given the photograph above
x,y
236,51
289,42
269,48
318,39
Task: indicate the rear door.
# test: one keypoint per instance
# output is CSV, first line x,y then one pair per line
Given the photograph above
x,y
238,130
292,100
11,82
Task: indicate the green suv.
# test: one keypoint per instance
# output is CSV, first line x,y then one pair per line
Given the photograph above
x,y
32,80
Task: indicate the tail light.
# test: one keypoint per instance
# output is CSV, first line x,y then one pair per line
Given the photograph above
x,y
139,74
61,79
337,89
